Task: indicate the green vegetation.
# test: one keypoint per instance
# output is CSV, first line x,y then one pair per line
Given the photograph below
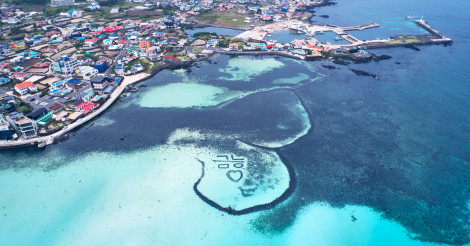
x,y
401,41
54,11
226,18
204,35
31,2
23,107
224,43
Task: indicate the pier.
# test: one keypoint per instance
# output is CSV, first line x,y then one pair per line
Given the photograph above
x,y
434,32
360,27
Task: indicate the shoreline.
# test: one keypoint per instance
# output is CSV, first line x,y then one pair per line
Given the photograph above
x,y
41,141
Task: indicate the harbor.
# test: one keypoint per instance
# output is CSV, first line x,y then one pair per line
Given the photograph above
x,y
313,32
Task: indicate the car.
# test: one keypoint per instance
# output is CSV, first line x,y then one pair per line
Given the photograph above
x,y
32,99
37,102
49,97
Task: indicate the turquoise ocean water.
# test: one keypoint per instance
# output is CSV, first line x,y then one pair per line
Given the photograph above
x,y
334,158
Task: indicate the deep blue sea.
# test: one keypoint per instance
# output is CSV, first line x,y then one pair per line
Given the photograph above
x,y
303,155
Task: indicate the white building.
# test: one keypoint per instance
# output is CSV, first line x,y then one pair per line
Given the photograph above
x,y
25,87
114,10
57,3
119,69
87,72
27,127
71,14
94,6
107,42
68,64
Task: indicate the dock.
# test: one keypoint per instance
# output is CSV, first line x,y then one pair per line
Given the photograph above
x,y
360,27
439,36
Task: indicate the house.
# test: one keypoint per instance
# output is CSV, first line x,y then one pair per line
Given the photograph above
x,y
5,48
170,59
4,81
154,57
61,116
233,46
58,85
25,126
71,14
87,72
5,132
114,10
17,60
74,84
41,21
107,42
137,68
116,47
19,76
159,34
7,108
36,114
86,107
56,107
144,44
99,83
89,107
340,51
119,69
94,6
101,65
18,46
91,41
66,65
25,87
57,3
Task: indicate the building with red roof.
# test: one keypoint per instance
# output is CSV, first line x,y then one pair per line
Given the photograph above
x,y
86,107
91,41
168,58
25,87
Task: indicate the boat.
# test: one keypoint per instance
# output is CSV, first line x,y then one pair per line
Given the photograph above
x,y
269,35
338,38
320,32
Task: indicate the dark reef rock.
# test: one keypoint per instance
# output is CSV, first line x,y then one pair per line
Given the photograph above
x,y
329,67
363,73
359,60
398,63
324,16
410,46
382,57
340,62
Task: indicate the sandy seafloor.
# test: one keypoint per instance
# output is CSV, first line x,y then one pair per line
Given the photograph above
x,y
339,159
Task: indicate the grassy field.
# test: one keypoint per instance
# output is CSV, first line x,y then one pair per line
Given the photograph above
x,y
403,41
226,18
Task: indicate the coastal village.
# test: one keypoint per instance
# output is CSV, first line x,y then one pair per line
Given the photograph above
x,y
64,65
